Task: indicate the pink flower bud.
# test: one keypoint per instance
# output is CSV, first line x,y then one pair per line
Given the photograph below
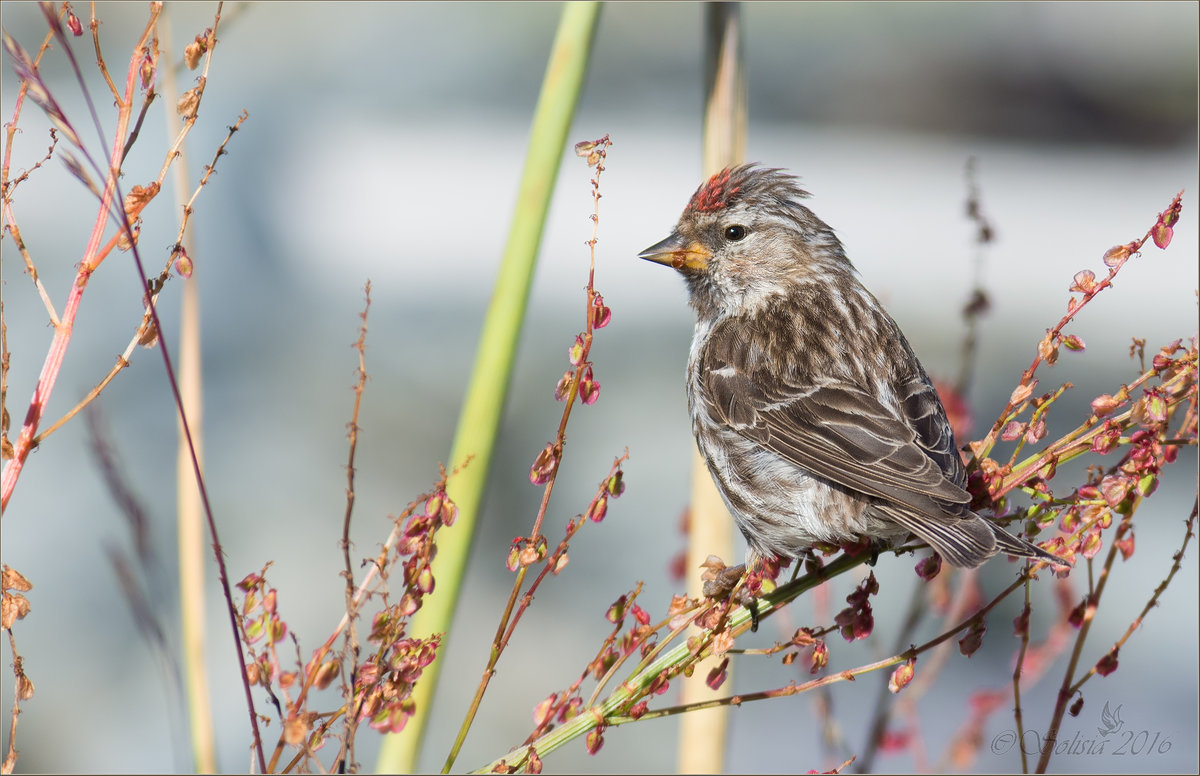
x,y
902,675
820,657
1162,234
973,640
577,351
1126,545
544,710
1104,404
1021,622
1084,281
594,740
1048,350
563,389
1072,342
616,484
616,612
1021,393
718,675
601,315
1012,430
598,510
544,465
1114,488
1075,618
1091,543
425,580
929,567
589,389
1117,255
1108,663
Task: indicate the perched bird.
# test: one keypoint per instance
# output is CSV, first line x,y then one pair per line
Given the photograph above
x,y
816,419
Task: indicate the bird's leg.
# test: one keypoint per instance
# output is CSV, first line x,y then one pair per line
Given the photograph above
x,y
864,544
802,561
752,606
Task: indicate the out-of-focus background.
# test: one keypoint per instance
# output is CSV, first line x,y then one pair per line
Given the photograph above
x,y
385,142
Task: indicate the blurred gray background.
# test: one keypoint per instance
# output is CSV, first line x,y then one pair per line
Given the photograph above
x,y
385,141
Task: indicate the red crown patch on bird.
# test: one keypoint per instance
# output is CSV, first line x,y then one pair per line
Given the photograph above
x,y
715,194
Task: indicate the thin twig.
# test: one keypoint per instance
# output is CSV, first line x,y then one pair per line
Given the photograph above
x,y
144,333
1115,259
978,303
1066,690
1177,558
596,153
350,647
10,758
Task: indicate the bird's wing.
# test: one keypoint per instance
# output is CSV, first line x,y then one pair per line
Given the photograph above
x,y
840,432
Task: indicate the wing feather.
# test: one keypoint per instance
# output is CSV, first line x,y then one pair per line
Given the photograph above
x,y
840,432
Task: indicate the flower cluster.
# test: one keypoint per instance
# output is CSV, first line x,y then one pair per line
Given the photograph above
x,y
259,619
385,682
416,549
856,621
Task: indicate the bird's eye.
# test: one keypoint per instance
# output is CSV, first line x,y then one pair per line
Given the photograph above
x,y
735,232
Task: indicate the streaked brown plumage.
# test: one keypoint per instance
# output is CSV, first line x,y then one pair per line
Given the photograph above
x,y
816,419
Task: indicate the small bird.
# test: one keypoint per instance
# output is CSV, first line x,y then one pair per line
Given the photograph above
x,y
815,418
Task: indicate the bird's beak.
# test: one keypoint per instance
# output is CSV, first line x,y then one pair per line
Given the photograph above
x,y
676,252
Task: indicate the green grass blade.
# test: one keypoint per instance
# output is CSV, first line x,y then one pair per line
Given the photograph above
x,y
483,406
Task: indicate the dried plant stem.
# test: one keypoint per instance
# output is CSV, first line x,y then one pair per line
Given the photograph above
x,y
15,232
139,336
89,264
65,327
1018,713
10,756
10,129
189,507
364,589
977,303
350,646
94,255
483,405
701,745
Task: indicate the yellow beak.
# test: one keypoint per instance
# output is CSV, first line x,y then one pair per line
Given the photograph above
x,y
677,253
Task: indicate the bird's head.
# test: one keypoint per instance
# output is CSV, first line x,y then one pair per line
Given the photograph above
x,y
744,237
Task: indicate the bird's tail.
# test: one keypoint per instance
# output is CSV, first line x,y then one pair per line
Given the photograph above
x,y
966,541
1011,545
963,542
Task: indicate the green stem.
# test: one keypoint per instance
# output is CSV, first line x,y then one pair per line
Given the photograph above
x,y
613,709
483,406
